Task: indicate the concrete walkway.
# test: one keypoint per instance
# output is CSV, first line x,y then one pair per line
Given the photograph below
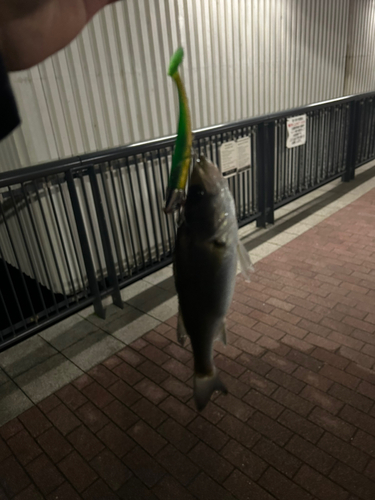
x,y
299,421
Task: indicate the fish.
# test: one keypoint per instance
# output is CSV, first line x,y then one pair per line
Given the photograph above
x,y
205,266
182,154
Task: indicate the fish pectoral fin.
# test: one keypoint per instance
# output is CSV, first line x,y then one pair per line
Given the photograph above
x,y
244,261
181,330
205,386
222,335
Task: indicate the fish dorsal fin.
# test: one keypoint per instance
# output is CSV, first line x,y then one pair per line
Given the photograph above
x,y
244,261
181,330
222,335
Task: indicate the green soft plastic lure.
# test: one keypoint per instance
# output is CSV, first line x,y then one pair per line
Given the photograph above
x,y
182,153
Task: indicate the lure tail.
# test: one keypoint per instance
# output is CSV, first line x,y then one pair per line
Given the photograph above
x,y
182,153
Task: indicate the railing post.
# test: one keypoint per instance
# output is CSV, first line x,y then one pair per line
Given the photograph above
x,y
93,283
353,138
103,228
266,172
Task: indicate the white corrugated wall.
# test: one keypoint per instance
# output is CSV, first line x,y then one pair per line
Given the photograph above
x,y
360,66
243,58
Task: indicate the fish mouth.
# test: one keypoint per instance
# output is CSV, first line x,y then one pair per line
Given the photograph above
x,y
175,198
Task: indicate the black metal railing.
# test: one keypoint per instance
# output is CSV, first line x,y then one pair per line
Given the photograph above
x,y
77,230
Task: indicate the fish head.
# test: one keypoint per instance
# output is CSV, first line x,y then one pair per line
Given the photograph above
x,y
208,199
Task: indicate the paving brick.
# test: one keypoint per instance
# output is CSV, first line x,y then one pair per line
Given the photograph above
x,y
65,492
285,380
156,339
98,491
4,450
258,382
321,399
82,381
54,444
364,442
301,426
170,489
333,424
235,406
358,419
63,419
151,391
44,474
362,359
292,401
242,458
13,477
153,372
330,358
121,415
103,376
229,366
239,431
113,361
97,395
110,469
177,410
123,392
318,485
279,362
353,482
367,389
370,470
77,471
92,417
310,454
116,440
181,438
177,464
34,421
351,397
208,433
244,488
49,403
235,386
134,489
254,364
154,354
277,457
24,447
30,493
146,437
361,372
210,462
144,467
269,428
263,403
127,373
128,355
303,360
71,397
85,442
339,376
281,487
204,488
344,452
249,347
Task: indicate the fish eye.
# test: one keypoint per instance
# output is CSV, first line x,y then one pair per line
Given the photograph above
x,y
196,193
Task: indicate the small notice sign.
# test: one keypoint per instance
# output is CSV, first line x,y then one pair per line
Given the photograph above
x,y
228,158
296,128
235,156
243,153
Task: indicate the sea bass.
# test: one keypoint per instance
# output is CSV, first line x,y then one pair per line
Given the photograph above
x,y
205,267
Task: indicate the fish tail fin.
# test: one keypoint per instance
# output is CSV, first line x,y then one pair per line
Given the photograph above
x,y
244,260
205,386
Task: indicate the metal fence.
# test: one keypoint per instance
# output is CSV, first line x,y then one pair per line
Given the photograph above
x,y
75,231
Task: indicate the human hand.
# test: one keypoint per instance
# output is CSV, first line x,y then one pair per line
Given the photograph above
x,y
32,30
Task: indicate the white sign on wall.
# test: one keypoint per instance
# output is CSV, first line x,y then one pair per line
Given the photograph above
x,y
235,156
296,131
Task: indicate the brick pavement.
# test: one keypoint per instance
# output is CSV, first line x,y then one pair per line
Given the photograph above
x,y
299,420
